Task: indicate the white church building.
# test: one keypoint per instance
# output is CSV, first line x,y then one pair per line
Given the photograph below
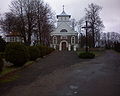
x,y
64,37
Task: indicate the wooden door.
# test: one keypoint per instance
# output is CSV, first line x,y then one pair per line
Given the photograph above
x,y
64,46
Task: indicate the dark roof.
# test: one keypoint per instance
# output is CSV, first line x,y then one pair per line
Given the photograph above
x,y
13,34
63,14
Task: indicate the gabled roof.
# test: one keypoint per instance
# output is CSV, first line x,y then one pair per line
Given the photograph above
x,y
67,27
13,34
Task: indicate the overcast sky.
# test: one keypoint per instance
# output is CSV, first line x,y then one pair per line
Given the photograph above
x,y
110,13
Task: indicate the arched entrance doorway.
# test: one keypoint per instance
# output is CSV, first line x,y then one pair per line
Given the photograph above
x,y
64,47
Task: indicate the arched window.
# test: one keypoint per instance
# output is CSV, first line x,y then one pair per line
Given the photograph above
x,y
54,40
63,30
73,40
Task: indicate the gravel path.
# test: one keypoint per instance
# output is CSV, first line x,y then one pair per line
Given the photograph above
x,y
64,74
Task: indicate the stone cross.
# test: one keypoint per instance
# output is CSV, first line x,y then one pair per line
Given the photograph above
x,y
86,27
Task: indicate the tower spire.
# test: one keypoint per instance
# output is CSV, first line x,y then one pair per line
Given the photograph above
x,y
63,7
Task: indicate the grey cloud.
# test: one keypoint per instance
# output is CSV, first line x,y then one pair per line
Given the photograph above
x,y
110,13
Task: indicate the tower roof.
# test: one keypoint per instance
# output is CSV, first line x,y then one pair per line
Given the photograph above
x,y
63,14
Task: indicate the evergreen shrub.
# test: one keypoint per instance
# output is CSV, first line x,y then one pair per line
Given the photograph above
x,y
16,53
117,47
34,52
44,50
1,64
2,44
2,54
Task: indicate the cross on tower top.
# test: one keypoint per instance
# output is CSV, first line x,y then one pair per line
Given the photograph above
x,y
63,7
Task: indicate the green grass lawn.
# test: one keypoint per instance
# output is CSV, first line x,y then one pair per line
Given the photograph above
x,y
8,73
12,68
9,78
7,70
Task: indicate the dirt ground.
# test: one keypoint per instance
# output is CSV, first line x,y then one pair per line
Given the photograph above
x,y
64,74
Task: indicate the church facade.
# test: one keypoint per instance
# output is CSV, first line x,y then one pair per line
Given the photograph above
x,y
64,37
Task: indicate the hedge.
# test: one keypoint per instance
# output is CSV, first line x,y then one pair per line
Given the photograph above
x,y
19,54
16,53
44,50
117,47
2,44
2,54
34,52
1,64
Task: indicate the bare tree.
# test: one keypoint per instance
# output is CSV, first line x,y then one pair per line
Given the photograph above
x,y
44,20
109,39
73,23
92,15
80,24
32,17
24,10
9,23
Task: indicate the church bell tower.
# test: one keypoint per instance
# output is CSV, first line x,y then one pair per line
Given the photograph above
x,y
63,17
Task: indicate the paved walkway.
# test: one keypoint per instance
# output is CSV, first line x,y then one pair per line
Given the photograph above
x,y
64,74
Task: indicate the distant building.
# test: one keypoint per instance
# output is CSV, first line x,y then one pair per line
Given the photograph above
x,y
64,37
13,37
